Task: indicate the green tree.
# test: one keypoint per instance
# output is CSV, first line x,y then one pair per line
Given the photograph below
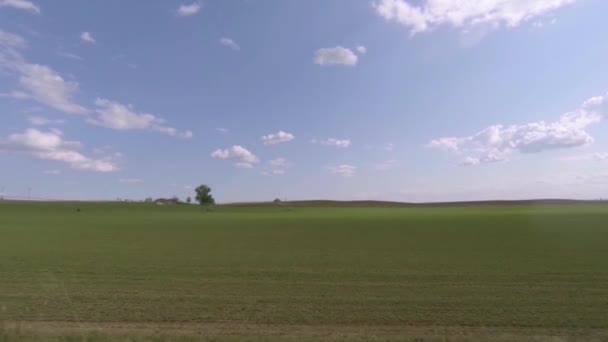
x,y
203,195
189,200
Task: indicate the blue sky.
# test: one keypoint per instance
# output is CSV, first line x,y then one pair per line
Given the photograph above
x,y
427,100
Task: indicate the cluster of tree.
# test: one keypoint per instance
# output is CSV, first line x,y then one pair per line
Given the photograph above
x,y
203,197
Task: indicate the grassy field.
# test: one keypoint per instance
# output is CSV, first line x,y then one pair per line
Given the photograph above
x,y
137,271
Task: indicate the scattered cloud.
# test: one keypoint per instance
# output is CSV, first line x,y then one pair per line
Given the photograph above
x,y
387,165
117,116
339,143
240,155
33,109
243,165
598,156
222,130
16,95
47,87
50,145
542,23
186,10
278,166
389,147
279,163
87,37
36,82
464,14
41,121
131,180
335,56
498,142
52,172
470,161
276,138
230,44
69,55
23,5
103,149
593,179
11,41
343,170
124,60
450,144
361,49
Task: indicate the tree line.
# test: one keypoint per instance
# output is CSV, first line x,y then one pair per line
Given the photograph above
x,y
202,197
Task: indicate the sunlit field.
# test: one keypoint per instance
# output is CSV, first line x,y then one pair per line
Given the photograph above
x,y
143,271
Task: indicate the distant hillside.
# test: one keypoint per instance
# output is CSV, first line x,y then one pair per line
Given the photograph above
x,y
331,203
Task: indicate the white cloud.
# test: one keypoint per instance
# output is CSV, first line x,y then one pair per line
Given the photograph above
x,y
131,180
37,82
497,142
41,121
51,146
451,144
230,43
470,161
103,149
489,158
52,172
598,156
389,147
387,165
276,138
242,157
69,55
339,143
117,116
222,130
335,56
243,165
592,179
279,163
188,10
464,14
21,5
46,86
361,49
343,170
279,166
87,37
11,40
15,94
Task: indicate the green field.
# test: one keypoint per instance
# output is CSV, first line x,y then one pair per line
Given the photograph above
x,y
143,271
